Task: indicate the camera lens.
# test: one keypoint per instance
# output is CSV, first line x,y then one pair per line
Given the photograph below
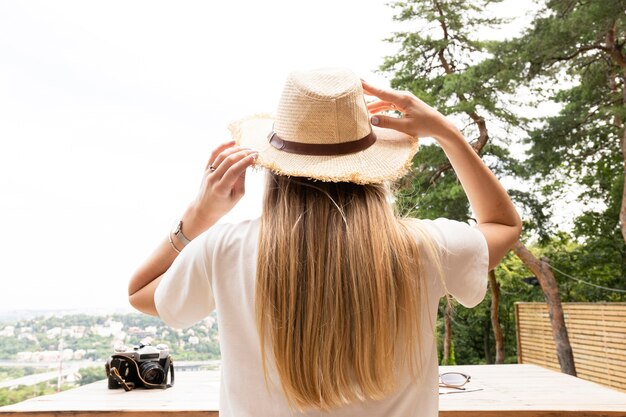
x,y
152,372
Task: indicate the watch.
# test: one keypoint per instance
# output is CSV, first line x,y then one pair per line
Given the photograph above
x,y
178,232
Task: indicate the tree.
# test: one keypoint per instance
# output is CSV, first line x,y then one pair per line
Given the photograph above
x,y
579,46
445,65
434,63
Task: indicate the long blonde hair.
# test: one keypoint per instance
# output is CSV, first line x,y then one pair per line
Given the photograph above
x,y
339,291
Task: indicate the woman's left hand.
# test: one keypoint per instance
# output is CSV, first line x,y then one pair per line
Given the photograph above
x,y
223,185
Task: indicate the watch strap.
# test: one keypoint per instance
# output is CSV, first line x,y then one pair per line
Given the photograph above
x,y
178,232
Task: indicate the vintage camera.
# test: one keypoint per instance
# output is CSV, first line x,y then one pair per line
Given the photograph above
x,y
144,366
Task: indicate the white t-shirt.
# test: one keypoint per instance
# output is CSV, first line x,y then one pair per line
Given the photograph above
x,y
218,270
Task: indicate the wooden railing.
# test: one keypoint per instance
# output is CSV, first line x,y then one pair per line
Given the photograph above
x,y
597,334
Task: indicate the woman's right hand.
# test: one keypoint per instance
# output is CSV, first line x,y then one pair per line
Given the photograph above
x,y
418,118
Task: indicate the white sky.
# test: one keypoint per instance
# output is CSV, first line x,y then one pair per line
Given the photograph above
x,y
109,110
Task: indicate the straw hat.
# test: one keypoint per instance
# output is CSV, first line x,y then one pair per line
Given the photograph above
x,y
322,131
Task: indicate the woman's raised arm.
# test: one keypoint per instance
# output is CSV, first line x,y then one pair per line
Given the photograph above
x,y
223,185
496,216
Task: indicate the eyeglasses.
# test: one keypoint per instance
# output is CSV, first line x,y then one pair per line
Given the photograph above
x,y
453,380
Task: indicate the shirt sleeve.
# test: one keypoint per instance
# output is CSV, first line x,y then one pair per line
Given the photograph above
x,y
464,258
184,295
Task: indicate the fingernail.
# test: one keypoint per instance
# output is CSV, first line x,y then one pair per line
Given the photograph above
x,y
254,155
375,120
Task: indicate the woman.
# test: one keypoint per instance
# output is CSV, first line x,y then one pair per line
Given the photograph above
x,y
326,305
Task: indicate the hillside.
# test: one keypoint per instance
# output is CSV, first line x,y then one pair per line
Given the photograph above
x,y
48,339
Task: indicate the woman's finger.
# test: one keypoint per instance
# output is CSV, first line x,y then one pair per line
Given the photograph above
x,y
379,106
223,155
221,148
232,170
239,188
399,98
403,125
227,159
381,93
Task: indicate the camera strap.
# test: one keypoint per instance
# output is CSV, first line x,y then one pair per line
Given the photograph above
x,y
169,363
114,373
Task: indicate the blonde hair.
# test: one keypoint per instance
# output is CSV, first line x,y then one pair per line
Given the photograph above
x,y
339,291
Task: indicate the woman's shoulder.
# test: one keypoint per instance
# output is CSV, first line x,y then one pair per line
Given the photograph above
x,y
443,230
452,239
231,234
235,227
463,255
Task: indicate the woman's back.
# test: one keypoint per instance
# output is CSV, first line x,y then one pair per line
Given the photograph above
x,y
227,253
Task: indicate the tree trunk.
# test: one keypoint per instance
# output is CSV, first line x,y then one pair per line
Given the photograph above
x,y
622,210
486,344
495,316
447,337
544,274
618,58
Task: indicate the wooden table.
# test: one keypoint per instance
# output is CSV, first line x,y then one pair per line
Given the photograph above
x,y
495,390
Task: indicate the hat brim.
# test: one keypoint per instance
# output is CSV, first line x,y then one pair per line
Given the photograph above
x,y
388,159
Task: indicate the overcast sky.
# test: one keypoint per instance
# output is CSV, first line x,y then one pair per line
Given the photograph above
x,y
109,110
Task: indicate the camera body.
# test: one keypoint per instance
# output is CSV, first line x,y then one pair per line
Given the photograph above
x,y
144,365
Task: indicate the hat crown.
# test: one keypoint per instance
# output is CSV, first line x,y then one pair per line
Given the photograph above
x,y
323,106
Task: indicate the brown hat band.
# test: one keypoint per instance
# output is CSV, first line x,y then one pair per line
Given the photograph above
x,y
323,149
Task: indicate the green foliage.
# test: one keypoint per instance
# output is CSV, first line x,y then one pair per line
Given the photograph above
x,y
13,372
9,346
424,198
442,62
11,396
573,261
568,31
582,143
578,150
91,374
